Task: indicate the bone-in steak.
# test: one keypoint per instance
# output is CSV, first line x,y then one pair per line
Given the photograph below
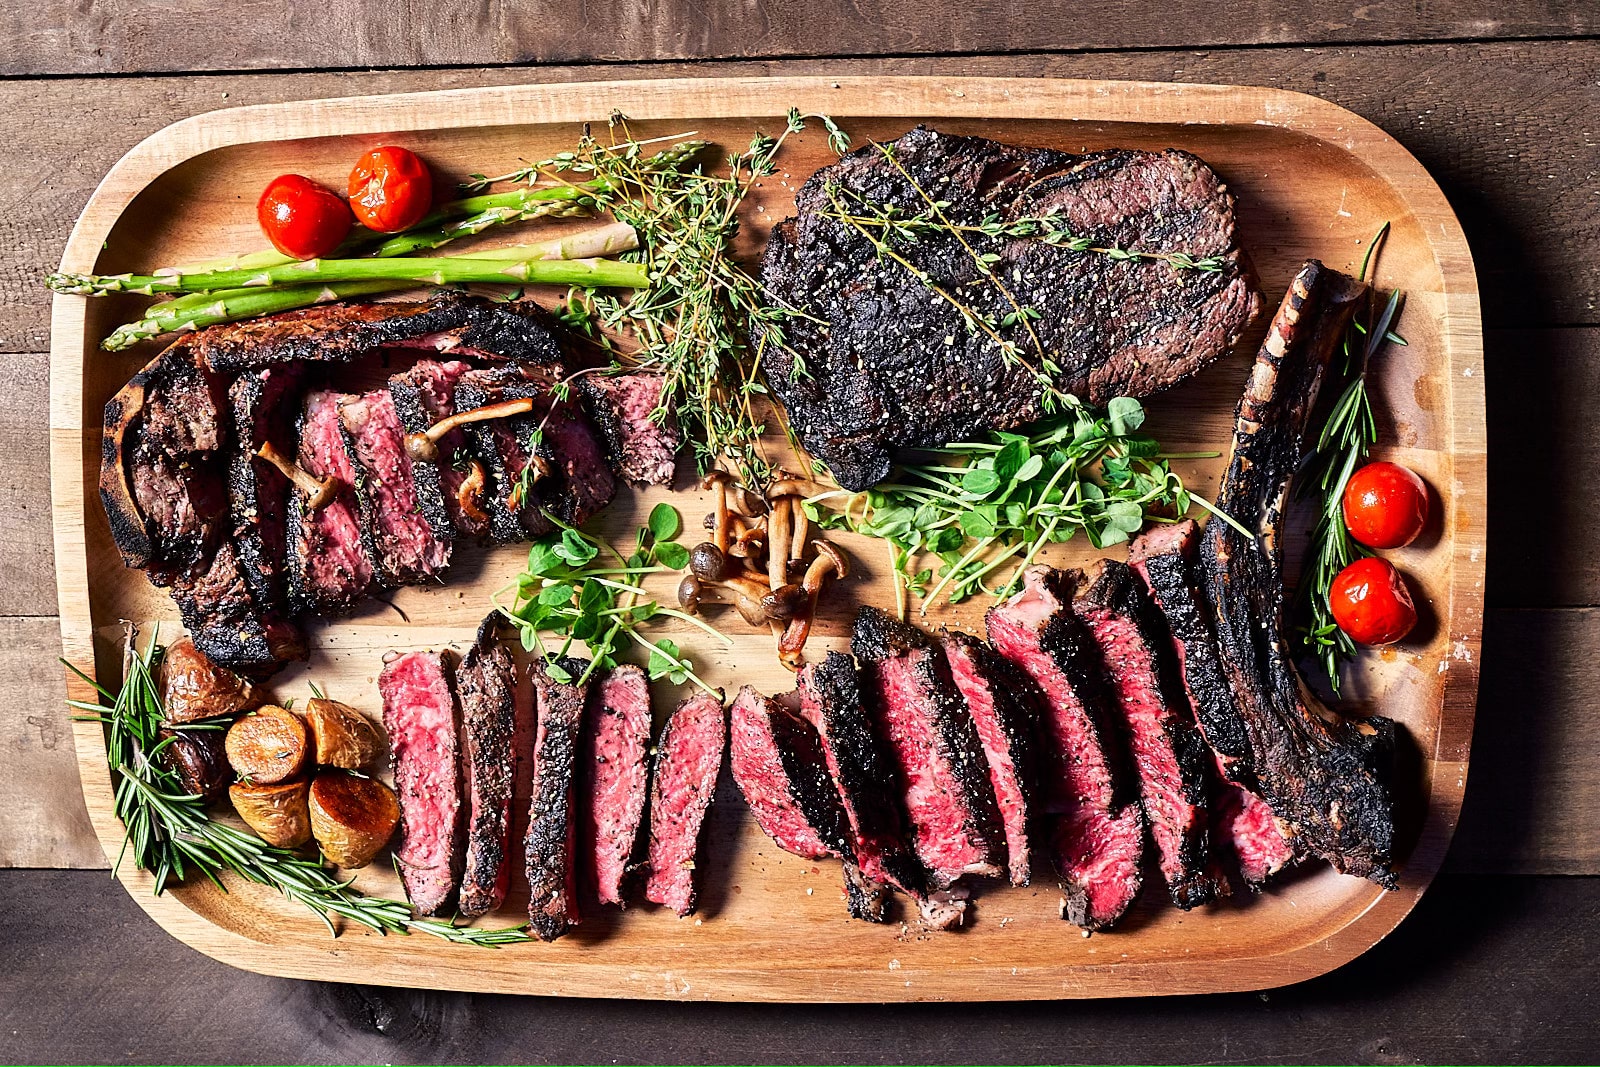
x,y
882,361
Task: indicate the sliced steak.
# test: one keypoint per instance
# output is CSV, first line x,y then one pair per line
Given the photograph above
x,y
1242,826
422,396
331,549
1326,779
688,760
552,824
777,762
880,361
615,780
408,550
1169,752
229,622
486,683
931,739
643,450
263,404
420,716
1004,708
1098,832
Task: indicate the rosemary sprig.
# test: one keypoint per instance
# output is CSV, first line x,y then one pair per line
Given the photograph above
x,y
1341,447
170,835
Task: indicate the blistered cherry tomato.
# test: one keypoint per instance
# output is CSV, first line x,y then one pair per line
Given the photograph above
x,y
1385,505
390,189
301,218
1370,602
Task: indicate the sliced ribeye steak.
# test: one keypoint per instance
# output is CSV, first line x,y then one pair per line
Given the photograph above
x,y
486,683
332,552
881,360
551,844
777,763
643,450
615,778
449,488
421,717
408,550
1325,778
688,761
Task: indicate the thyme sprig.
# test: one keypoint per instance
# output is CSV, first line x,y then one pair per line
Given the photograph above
x,y
170,835
1342,446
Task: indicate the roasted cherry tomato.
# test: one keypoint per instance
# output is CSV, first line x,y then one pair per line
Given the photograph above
x,y
1385,505
390,189
301,218
1370,602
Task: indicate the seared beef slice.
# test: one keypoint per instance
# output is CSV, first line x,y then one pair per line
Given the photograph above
x,y
1169,753
688,759
486,683
1098,832
331,551
889,363
552,828
930,737
408,549
263,404
642,450
449,488
777,763
1326,780
420,717
1003,705
615,770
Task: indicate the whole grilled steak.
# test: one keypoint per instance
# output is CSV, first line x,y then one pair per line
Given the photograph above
x,y
688,760
420,716
552,828
931,739
1169,753
1243,829
332,554
486,684
422,396
1003,706
407,549
1098,829
778,765
1326,780
883,361
615,778
642,450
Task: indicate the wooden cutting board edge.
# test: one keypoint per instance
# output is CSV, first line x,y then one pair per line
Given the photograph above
x,y
75,436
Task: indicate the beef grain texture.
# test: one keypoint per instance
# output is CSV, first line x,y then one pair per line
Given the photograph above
x,y
688,759
421,718
777,763
1327,782
332,554
1097,832
407,550
422,396
615,778
262,404
552,826
892,364
929,734
1169,752
1244,833
1003,704
641,450
486,684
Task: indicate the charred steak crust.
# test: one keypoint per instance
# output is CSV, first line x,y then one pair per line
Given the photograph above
x,y
408,553
486,686
1328,782
641,451
615,778
422,721
887,363
689,757
230,623
262,404
1169,752
1003,704
928,732
778,765
551,841
342,332
330,550
423,395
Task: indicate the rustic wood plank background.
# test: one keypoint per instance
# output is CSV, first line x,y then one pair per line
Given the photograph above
x,y
1498,100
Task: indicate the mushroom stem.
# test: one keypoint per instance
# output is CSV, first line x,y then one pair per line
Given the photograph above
x,y
778,527
425,445
320,492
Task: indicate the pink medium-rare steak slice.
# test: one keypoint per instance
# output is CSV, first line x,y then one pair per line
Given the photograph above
x,y
1003,706
331,551
424,395
642,450
407,549
486,684
614,778
778,765
1169,753
420,717
551,843
928,733
688,760
1098,830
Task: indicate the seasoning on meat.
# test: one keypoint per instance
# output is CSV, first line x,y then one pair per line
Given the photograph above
x,y
486,684
424,395
552,826
407,550
331,549
614,756
420,717
642,450
688,760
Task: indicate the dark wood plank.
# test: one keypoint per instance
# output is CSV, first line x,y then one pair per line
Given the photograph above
x,y
1512,985
27,555
60,37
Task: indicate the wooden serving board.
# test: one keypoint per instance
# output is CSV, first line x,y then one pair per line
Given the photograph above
x,y
1312,180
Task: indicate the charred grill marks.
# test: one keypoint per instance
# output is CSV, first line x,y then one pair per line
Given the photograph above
x,y
486,686
549,846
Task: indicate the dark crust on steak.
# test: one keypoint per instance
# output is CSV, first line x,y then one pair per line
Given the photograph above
x,y
964,837
778,765
1169,753
263,404
230,624
640,451
486,686
550,844
891,364
1326,781
428,477
307,529
342,332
